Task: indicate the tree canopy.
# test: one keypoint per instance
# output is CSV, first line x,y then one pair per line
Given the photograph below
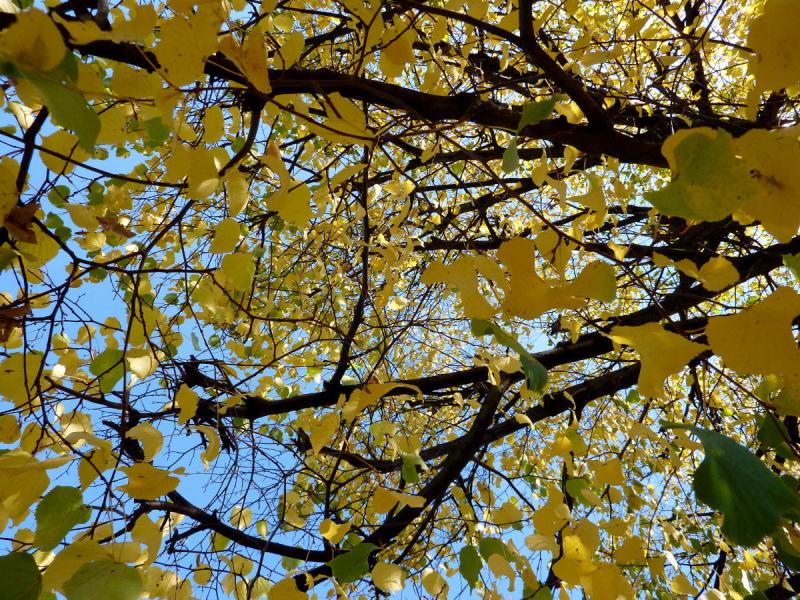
x,y
446,298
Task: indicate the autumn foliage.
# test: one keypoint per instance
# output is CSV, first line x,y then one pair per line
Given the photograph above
x,y
445,298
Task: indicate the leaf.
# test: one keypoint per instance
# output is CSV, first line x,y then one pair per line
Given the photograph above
x,y
388,577
663,353
32,42
469,565
19,577
58,512
238,269
511,157
108,366
226,236
104,579
772,433
149,436
68,107
533,112
718,273
508,514
334,532
187,400
409,469
286,589
772,37
767,328
18,222
535,373
708,183
212,439
146,482
353,565
489,545
732,480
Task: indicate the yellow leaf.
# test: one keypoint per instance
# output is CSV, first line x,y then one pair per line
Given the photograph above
x,y
238,193
69,560
241,517
663,353
345,122
226,236
461,274
334,532
575,562
146,482
682,586
213,125
141,363
149,436
388,577
551,517
180,61
608,583
500,567
434,583
291,49
238,269
64,144
8,185
508,514
773,36
292,202
759,340
187,401
323,430
598,280
286,589
717,274
609,473
33,42
146,532
384,500
212,438
9,429
202,574
24,481
631,551
250,57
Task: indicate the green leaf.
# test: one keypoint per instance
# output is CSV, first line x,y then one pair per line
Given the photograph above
x,y
490,545
535,373
68,107
58,512
772,433
575,487
103,579
108,366
409,470
793,262
786,552
19,577
58,195
352,566
731,479
511,157
533,112
157,132
469,564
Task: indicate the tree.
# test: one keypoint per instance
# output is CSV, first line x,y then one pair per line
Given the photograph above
x,y
456,298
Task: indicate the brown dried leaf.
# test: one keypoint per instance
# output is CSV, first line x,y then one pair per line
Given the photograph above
x,y
10,318
18,222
